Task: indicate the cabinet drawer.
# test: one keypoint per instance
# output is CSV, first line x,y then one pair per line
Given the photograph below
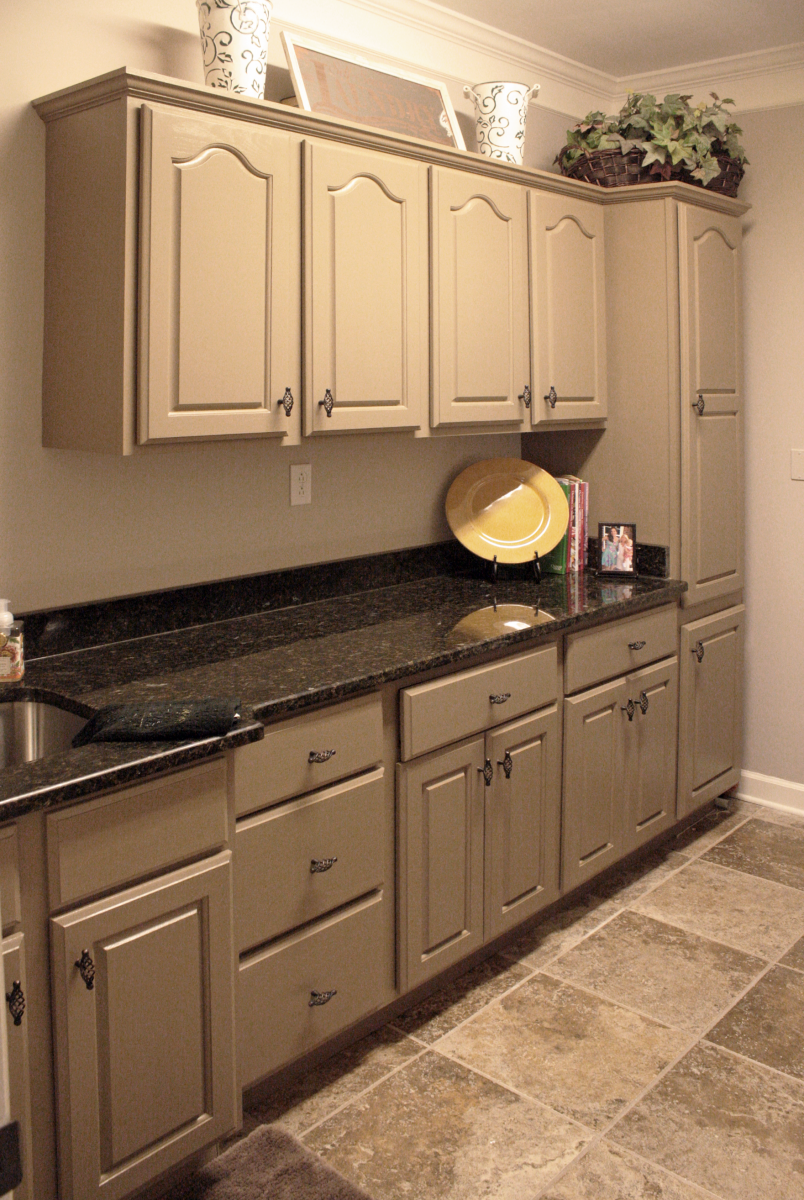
x,y
446,710
103,844
9,878
276,887
350,954
622,646
280,766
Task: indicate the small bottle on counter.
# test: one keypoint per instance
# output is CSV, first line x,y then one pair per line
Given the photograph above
x,y
12,660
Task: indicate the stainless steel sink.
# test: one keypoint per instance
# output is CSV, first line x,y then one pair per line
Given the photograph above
x,y
31,729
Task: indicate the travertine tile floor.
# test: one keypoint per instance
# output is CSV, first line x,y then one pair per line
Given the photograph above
x,y
647,1042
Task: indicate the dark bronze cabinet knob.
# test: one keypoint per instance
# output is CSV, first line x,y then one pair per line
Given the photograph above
x,y
287,402
552,397
86,969
319,998
16,1002
327,403
507,764
525,396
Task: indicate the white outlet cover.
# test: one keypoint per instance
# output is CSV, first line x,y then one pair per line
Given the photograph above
x,y
797,464
301,483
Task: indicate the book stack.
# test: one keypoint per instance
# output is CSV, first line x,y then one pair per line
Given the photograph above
x,y
570,554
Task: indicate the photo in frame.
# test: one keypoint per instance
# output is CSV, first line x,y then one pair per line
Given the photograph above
x,y
616,548
354,89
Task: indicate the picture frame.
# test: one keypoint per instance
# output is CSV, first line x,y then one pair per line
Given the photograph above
x,y
616,548
338,85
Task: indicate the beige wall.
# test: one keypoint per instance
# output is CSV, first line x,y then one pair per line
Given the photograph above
x,y
774,388
81,527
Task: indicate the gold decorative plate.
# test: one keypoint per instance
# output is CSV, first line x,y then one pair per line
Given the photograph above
x,y
495,622
508,508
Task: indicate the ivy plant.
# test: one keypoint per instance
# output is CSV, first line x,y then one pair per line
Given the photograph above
x,y
677,139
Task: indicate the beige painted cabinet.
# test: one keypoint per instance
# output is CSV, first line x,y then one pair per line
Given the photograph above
x,y
314,889
710,707
16,990
478,842
480,306
671,457
143,1016
711,404
365,290
568,310
620,727
219,321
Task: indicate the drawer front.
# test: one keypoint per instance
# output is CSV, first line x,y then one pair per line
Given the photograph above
x,y
300,860
129,835
350,954
341,741
445,710
9,878
618,648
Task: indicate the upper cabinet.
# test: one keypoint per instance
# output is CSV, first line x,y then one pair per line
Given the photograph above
x,y
711,403
568,307
481,368
365,290
218,328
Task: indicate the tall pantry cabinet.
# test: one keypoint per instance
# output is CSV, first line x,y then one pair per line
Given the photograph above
x,y
671,457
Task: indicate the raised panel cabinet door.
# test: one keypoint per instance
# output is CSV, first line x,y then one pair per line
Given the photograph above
x,y
480,314
651,744
594,805
440,850
568,307
145,1056
16,993
710,708
365,290
523,811
711,404
219,305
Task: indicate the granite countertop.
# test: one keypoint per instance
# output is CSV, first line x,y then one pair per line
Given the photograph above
x,y
283,661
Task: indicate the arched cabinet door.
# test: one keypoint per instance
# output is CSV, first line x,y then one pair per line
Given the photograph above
x,y
365,290
481,369
711,403
219,307
568,305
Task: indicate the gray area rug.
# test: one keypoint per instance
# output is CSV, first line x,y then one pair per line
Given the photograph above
x,y
269,1164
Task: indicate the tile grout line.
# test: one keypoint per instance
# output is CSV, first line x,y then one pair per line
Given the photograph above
x,y
754,1062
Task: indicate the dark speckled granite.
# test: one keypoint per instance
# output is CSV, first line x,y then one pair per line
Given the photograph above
x,y
284,661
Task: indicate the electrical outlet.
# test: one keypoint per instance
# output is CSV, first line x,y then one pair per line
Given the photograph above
x,y
797,464
301,483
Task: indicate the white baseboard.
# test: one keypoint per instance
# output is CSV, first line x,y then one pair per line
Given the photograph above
x,y
773,793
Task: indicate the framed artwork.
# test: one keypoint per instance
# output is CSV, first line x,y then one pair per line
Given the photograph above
x,y
616,546
352,89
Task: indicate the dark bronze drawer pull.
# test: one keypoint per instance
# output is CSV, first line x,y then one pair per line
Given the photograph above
x,y
637,645
698,651
319,998
319,756
487,771
327,403
319,865
16,1001
287,402
629,708
86,968
500,698
507,764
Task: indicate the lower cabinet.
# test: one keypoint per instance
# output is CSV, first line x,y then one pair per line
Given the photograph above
x,y
16,990
144,1029
710,707
478,841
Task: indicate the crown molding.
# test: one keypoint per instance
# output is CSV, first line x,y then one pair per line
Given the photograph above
x,y
761,79
436,41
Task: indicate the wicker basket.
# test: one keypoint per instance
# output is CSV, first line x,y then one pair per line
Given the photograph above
x,y
729,179
607,168
612,168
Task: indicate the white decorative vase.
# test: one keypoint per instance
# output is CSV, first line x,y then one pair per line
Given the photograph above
x,y
234,42
500,112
